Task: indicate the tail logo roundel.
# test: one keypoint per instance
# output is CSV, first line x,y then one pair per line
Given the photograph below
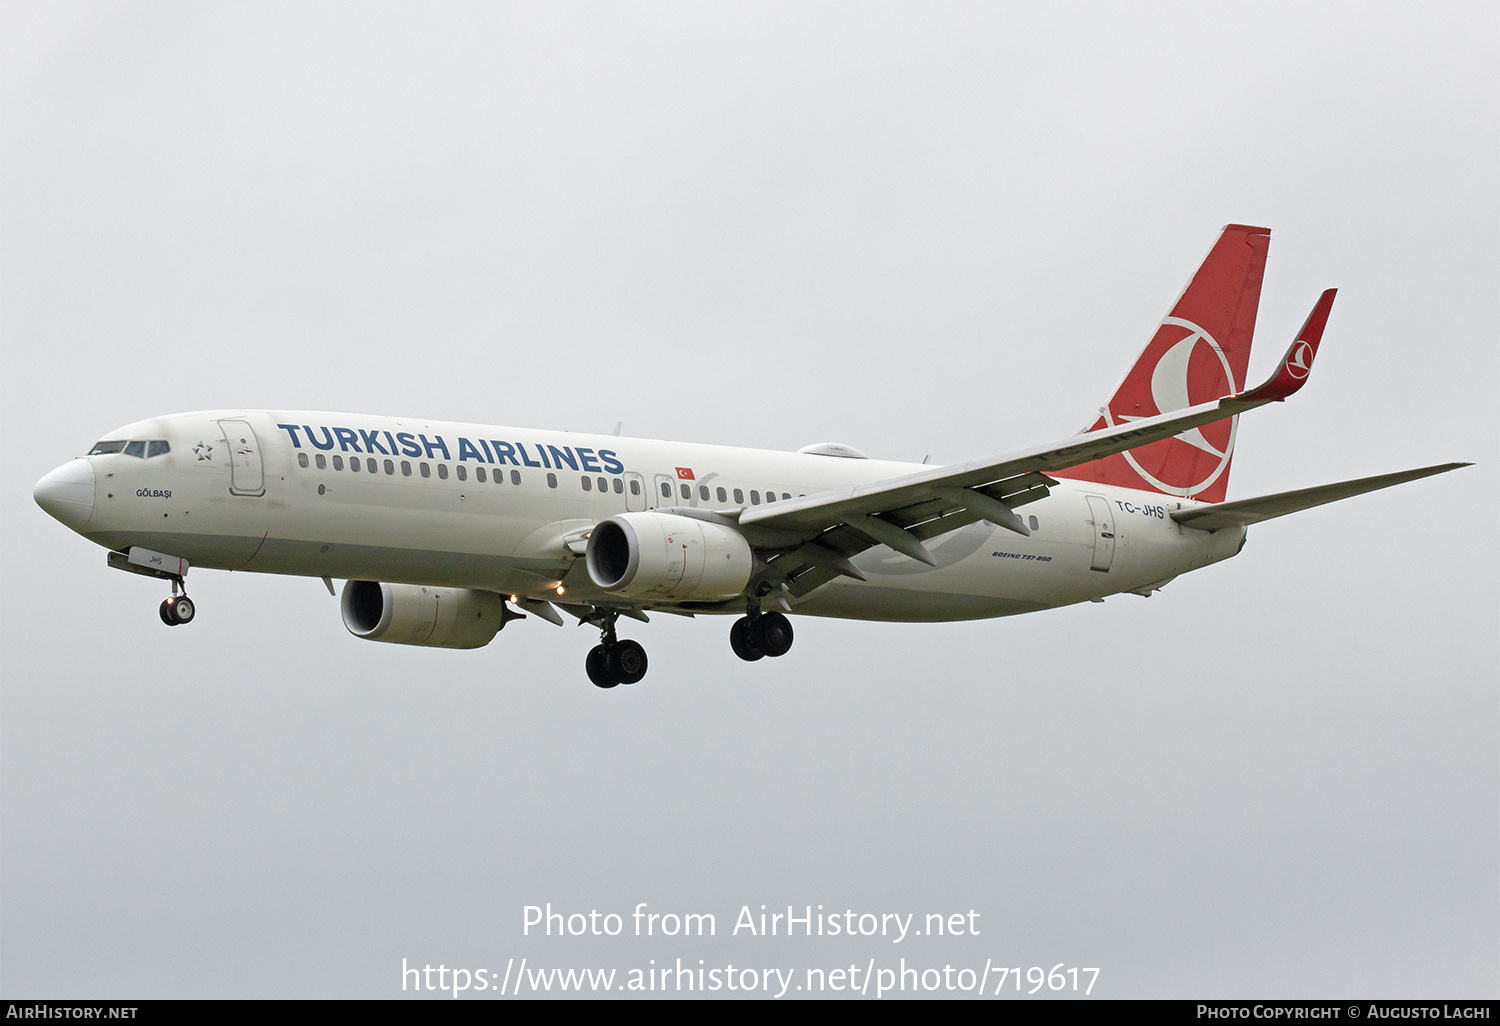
x,y
1176,381
1198,354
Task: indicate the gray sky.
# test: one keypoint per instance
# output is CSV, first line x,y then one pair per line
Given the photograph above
x,y
917,229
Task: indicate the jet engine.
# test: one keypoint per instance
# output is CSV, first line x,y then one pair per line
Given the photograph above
x,y
410,614
666,556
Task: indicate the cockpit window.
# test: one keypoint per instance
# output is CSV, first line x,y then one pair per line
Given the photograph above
x,y
141,449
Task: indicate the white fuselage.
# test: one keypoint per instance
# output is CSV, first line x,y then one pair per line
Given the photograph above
x,y
494,509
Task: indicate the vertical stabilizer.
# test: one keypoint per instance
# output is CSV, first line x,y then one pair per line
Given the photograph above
x,y
1200,352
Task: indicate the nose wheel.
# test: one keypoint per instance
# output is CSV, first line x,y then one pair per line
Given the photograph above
x,y
613,661
177,609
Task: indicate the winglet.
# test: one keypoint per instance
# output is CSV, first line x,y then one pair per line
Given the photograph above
x,y
1297,363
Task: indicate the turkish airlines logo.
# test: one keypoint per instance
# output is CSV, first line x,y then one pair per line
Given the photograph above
x,y
1179,380
1299,363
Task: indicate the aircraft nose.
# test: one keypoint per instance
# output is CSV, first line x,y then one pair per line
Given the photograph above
x,y
67,493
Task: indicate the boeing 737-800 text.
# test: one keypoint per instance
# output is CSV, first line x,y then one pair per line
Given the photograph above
x,y
446,532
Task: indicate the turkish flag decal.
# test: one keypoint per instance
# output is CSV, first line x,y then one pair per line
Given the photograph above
x,y
685,474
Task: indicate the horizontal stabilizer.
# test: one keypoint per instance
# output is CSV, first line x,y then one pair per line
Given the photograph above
x,y
1268,507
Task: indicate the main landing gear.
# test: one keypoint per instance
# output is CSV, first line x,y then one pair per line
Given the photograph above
x,y
178,609
761,634
613,661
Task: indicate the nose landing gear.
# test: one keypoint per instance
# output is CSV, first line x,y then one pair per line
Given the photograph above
x,y
177,609
613,661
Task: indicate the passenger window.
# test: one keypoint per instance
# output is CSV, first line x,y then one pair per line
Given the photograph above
x,y
551,480
619,486
462,472
604,484
666,490
687,493
390,468
786,495
1032,521
422,469
635,488
479,474
723,495
353,463
103,448
370,464
739,496
703,492
754,497
770,496
406,468
137,449
157,448
338,462
442,471
588,483
321,461
302,460
515,477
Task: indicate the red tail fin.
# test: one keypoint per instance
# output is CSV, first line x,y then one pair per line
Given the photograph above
x,y
1200,352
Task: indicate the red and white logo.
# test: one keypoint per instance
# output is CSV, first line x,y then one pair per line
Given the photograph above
x,y
685,474
1299,361
1191,369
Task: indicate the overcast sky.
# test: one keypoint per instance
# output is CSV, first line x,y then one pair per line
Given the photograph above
x,y
919,229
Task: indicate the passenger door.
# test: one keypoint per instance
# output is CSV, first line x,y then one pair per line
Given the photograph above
x,y
635,492
247,473
661,491
1104,533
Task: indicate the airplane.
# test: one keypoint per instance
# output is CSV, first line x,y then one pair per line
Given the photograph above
x,y
443,532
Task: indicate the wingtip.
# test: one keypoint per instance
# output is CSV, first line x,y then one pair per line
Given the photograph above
x,y
1296,365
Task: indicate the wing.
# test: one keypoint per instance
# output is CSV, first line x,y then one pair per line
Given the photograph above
x,y
811,539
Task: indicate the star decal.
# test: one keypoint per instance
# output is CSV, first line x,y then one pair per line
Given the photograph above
x,y
203,451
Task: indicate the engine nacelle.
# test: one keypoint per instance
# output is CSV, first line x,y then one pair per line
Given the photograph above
x,y
665,556
410,614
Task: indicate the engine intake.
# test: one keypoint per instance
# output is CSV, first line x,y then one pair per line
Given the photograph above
x,y
410,614
666,556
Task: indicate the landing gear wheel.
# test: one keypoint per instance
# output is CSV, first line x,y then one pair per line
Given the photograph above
x,y
628,661
183,609
742,640
598,667
772,633
168,617
613,661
